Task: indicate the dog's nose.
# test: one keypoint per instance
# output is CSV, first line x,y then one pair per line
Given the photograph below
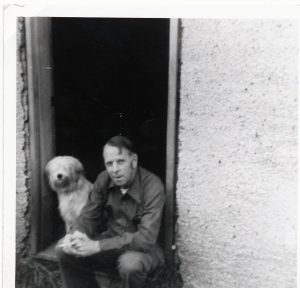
x,y
59,176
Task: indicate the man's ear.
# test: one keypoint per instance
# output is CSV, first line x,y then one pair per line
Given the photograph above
x,y
134,160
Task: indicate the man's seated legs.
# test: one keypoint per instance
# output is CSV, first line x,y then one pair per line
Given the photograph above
x,y
75,271
78,272
133,268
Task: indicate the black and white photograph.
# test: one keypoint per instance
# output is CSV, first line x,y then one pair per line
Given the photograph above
x,y
152,150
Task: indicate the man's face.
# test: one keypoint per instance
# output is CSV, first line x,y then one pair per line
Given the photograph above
x,y
120,165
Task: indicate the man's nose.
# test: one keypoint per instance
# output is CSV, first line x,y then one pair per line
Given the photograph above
x,y
115,167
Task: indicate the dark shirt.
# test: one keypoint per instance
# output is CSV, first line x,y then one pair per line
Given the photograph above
x,y
133,219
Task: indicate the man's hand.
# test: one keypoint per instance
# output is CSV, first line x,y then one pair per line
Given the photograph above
x,y
83,245
65,244
79,244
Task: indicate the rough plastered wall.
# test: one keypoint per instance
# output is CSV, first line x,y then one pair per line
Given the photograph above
x,y
22,205
236,190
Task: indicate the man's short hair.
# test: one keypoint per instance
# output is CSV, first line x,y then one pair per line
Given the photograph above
x,y
121,142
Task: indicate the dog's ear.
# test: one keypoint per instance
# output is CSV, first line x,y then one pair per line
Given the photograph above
x,y
79,167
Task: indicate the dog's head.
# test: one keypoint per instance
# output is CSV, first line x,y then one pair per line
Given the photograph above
x,y
63,172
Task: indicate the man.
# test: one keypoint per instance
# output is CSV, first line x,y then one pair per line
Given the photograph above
x,y
131,199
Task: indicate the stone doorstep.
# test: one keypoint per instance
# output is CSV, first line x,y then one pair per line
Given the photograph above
x,y
48,260
104,279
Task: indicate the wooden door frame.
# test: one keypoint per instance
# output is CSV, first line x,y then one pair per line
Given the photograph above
x,y
171,141
42,144
42,141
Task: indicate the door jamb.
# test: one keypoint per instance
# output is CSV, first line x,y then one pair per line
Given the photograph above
x,y
39,70
169,229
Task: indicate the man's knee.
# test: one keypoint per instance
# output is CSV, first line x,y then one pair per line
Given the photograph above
x,y
131,262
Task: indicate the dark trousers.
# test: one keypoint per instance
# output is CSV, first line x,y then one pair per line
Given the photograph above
x,y
133,267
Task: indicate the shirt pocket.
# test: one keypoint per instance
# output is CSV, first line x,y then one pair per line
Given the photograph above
x,y
136,219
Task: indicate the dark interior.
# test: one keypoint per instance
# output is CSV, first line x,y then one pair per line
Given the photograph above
x,y
110,78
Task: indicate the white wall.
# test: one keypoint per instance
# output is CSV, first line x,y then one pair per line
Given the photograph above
x,y
236,190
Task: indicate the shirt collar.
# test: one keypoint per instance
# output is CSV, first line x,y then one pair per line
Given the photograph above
x,y
133,189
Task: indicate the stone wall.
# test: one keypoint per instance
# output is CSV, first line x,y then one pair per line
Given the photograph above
x,y
236,190
22,205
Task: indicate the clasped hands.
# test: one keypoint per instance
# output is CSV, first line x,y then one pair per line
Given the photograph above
x,y
79,244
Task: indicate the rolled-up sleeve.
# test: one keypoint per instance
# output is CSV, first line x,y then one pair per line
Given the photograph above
x,y
148,229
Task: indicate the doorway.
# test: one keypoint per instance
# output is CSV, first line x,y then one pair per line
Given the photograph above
x,y
110,77
90,79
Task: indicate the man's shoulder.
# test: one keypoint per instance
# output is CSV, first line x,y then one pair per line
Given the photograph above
x,y
152,187
149,179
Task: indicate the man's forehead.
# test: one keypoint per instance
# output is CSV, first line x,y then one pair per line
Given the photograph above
x,y
121,150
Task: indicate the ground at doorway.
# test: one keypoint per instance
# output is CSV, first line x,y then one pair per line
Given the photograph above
x,y
37,273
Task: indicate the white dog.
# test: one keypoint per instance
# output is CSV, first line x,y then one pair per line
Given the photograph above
x,y
66,177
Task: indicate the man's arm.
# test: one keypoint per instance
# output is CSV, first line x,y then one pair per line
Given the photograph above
x,y
91,220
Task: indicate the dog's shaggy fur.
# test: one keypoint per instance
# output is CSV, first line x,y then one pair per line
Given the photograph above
x,y
66,178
